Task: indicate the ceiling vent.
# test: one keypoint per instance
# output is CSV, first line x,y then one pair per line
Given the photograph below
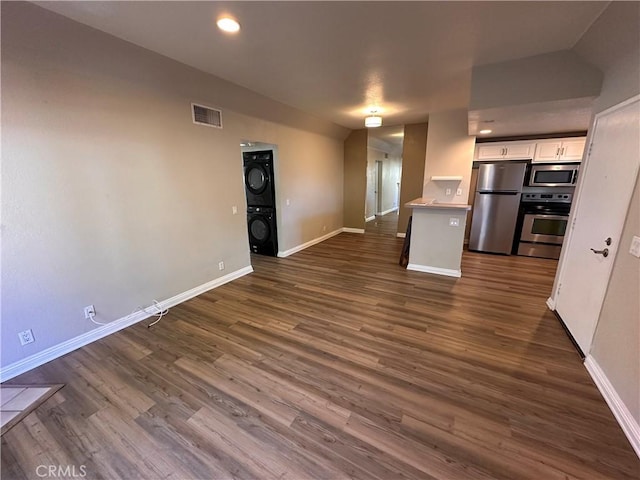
x,y
208,116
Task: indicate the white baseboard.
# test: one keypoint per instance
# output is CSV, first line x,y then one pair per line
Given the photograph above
x,y
21,366
308,244
389,211
401,235
352,230
629,425
438,271
368,219
551,304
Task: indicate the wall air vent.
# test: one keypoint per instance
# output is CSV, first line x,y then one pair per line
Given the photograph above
x,y
208,116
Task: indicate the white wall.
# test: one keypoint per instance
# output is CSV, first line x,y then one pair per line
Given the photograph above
x,y
449,152
391,171
111,195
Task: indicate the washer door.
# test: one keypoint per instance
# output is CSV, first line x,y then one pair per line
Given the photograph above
x,y
259,230
256,179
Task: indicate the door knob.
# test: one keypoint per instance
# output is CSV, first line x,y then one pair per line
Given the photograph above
x,y
604,253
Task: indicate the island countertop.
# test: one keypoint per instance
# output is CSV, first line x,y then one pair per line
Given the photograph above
x,y
432,203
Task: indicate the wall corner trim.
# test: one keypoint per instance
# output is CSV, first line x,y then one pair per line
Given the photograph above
x,y
352,230
29,363
627,422
436,270
308,244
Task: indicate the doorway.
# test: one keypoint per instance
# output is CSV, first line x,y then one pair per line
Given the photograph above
x,y
258,161
384,167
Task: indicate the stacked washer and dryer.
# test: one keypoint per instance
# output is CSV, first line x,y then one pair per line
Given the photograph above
x,y
261,202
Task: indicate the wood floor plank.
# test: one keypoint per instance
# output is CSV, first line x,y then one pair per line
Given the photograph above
x,y
334,363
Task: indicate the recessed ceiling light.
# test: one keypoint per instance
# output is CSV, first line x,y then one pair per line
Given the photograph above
x,y
484,132
228,24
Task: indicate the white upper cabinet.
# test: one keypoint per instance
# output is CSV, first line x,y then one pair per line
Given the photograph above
x,y
505,151
553,150
560,150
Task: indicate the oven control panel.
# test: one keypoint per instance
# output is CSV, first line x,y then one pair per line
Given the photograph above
x,y
547,197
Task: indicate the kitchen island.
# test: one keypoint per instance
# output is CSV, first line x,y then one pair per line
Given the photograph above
x,y
437,236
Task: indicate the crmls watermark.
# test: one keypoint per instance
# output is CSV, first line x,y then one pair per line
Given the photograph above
x,y
61,471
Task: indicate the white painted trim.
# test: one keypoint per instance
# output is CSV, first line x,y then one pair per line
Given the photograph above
x,y
21,366
401,235
438,271
368,219
551,304
308,244
627,422
389,211
352,230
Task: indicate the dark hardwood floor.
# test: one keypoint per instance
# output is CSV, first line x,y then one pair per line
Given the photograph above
x,y
334,363
383,224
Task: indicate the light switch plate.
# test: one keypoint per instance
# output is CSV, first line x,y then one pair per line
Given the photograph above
x,y
635,246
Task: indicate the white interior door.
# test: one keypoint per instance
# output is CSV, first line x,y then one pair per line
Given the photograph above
x,y
609,175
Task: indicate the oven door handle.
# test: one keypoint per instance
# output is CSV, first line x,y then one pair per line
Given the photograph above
x,y
574,179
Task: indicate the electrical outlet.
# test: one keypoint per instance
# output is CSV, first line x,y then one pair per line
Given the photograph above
x,y
89,311
234,210
26,337
458,192
220,265
454,222
448,191
635,246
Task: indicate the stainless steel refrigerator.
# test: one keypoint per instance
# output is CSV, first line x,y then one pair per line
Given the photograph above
x,y
495,209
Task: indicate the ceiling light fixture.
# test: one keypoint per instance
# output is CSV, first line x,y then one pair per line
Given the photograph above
x,y
485,131
373,120
228,24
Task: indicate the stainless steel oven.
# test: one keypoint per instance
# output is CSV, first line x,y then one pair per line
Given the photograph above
x,y
553,175
544,223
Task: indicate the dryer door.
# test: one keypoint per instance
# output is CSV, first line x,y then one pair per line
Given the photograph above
x,y
256,178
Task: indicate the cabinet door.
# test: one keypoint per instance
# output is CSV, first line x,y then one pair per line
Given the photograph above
x,y
519,150
572,150
547,151
491,151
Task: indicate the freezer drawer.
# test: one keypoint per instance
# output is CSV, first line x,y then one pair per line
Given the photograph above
x,y
494,222
502,176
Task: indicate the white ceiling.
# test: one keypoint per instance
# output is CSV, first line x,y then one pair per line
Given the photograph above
x,y
337,59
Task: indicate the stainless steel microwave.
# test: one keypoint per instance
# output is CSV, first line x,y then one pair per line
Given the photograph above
x,y
553,175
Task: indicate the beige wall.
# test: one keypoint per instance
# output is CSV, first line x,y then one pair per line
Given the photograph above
x,y
413,155
111,195
355,178
613,45
449,152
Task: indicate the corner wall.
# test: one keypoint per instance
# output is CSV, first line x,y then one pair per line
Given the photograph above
x,y
414,148
355,179
449,153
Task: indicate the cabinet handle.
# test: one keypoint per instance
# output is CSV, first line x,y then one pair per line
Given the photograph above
x,y
504,151
562,151
558,152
